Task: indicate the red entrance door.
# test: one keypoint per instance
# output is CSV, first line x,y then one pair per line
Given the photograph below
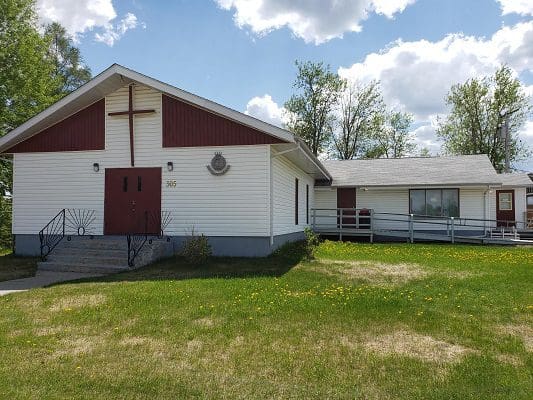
x,y
505,207
132,201
346,199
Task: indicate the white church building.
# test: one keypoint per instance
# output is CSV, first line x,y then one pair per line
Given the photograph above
x,y
126,154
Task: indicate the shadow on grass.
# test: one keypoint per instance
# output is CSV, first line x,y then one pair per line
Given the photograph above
x,y
16,267
177,268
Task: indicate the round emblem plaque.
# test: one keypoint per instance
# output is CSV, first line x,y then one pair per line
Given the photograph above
x,y
218,165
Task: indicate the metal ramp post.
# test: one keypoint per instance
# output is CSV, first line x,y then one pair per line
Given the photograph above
x,y
340,225
453,229
411,229
371,226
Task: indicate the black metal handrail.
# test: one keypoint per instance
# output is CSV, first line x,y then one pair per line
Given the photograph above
x,y
136,241
52,233
161,219
68,221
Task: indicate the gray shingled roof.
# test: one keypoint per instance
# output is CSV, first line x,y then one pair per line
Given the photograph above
x,y
515,179
417,171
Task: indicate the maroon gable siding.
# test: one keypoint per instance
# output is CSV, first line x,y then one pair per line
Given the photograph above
x,y
84,130
188,126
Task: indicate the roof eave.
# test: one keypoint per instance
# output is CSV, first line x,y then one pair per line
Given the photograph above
x,y
419,185
307,151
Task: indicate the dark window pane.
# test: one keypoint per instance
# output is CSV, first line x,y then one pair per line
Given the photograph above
x,y
434,202
139,184
418,202
125,184
450,202
307,204
296,201
505,201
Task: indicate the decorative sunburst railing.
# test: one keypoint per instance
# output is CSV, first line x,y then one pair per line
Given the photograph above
x,y
79,221
68,222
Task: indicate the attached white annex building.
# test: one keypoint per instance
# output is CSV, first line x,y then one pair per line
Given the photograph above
x,y
425,195
126,154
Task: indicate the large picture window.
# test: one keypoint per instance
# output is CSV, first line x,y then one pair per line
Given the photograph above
x,y
434,202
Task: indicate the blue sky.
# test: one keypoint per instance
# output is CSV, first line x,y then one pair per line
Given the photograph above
x,y
241,53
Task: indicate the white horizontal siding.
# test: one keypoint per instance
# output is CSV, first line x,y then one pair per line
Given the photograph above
x,y
284,174
44,183
234,204
325,205
396,201
520,205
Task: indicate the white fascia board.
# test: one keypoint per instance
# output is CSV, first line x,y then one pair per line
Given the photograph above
x,y
309,154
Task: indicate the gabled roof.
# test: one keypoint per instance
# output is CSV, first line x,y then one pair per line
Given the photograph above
x,y
468,170
109,81
516,179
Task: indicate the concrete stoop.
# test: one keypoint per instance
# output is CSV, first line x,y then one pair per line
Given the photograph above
x,y
101,255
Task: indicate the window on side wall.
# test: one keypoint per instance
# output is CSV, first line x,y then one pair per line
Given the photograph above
x,y
434,202
296,201
307,204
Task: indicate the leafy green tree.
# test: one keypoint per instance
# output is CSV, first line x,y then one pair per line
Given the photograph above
x,y
26,86
478,111
424,152
5,222
36,70
310,112
394,139
360,115
70,71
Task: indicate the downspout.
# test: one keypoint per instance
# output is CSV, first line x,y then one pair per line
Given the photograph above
x,y
487,206
272,156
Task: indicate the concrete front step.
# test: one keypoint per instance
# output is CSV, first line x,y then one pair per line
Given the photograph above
x,y
95,244
88,252
102,254
80,268
86,259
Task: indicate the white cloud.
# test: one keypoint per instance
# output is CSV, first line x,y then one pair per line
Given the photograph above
x,y
389,8
425,137
522,7
526,135
529,90
113,33
85,16
417,75
265,109
312,20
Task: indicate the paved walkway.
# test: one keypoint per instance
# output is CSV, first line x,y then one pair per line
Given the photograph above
x,y
41,279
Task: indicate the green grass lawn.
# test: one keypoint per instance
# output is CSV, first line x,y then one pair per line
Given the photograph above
x,y
362,321
12,267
